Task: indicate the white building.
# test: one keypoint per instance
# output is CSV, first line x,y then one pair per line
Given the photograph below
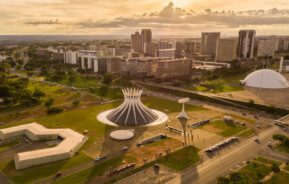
x,y
88,59
246,42
71,142
2,58
266,78
70,57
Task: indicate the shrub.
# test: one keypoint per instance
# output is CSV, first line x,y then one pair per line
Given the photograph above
x,y
54,110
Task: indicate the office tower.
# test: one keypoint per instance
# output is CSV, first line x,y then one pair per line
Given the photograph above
x,y
226,50
245,46
267,47
136,42
209,43
146,37
178,46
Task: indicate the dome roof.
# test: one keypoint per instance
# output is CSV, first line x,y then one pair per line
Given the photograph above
x,y
266,78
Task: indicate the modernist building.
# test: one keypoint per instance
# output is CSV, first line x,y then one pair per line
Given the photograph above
x,y
132,112
88,59
110,65
70,57
191,48
71,142
209,42
136,42
245,47
171,53
226,50
266,78
267,47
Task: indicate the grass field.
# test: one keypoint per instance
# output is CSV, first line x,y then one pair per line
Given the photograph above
x,y
36,173
279,178
287,167
80,120
221,85
247,133
181,159
225,129
267,161
88,174
255,171
7,145
283,148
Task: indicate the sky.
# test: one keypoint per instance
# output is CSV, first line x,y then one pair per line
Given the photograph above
x,y
123,17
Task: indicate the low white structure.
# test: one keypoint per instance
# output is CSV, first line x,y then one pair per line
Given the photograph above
x,y
71,142
266,78
122,134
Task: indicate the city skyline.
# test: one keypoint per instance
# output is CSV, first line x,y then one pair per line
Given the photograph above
x,y
177,17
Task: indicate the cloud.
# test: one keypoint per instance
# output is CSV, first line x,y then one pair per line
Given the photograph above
x,y
170,16
44,22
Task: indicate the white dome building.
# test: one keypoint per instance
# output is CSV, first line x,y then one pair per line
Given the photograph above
x,y
266,78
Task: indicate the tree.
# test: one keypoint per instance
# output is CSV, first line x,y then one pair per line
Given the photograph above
x,y
75,103
107,79
48,103
275,168
251,103
103,90
38,93
71,79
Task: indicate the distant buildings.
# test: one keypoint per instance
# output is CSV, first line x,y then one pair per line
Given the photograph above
x,y
171,53
57,55
142,42
267,47
226,50
245,46
159,67
209,42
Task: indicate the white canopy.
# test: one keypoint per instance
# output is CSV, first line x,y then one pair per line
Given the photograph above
x,y
266,78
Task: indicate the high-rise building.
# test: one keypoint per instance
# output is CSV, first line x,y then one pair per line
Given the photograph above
x,y
209,43
146,37
191,48
226,50
267,47
245,46
136,42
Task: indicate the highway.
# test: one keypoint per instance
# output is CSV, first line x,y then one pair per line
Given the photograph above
x,y
220,165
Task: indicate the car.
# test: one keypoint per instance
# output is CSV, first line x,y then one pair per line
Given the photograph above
x,y
97,159
256,139
58,174
125,148
269,144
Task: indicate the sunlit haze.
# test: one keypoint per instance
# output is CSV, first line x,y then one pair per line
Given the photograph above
x,y
121,17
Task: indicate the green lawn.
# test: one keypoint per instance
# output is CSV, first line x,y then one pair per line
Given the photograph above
x,y
279,178
267,161
87,174
287,167
181,159
36,173
7,145
255,171
82,82
226,84
85,119
168,106
247,133
283,148
226,129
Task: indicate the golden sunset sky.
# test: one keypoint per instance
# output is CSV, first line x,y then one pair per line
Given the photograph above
x,y
122,17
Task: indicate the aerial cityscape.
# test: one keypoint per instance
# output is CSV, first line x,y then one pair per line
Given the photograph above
x,y
144,92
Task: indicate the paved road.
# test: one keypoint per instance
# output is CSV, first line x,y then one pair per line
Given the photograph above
x,y
222,164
